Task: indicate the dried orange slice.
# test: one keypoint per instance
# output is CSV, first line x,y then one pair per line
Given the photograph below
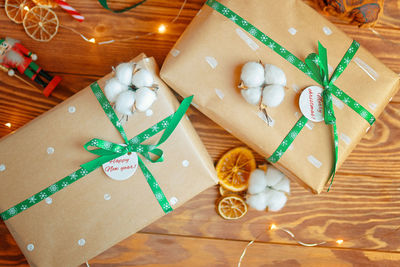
x,y
234,169
41,24
16,9
45,3
232,207
223,191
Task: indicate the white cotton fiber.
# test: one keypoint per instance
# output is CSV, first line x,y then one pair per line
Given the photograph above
x,y
276,200
125,102
273,95
257,182
252,95
283,185
252,74
142,78
124,73
258,201
145,97
113,88
274,75
273,176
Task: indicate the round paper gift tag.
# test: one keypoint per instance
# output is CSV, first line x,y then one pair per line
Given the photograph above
x,y
311,103
121,168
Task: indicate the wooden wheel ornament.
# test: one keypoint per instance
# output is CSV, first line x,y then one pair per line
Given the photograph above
x,y
41,23
17,9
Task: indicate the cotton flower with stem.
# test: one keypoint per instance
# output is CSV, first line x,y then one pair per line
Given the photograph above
x,y
262,86
268,189
131,89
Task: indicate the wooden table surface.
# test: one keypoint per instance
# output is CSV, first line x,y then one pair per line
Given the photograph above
x,y
363,208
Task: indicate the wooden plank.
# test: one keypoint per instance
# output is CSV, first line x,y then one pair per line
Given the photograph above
x,y
155,250
364,211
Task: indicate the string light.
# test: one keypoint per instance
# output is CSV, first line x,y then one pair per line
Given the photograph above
x,y
8,125
162,28
292,235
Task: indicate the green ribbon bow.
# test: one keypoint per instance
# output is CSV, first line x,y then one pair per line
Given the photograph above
x,y
316,67
108,151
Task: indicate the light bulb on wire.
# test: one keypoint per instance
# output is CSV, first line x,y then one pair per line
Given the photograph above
x,y
162,28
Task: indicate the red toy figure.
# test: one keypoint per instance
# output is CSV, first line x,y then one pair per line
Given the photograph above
x,y
13,55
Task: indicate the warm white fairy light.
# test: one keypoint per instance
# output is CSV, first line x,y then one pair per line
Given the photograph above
x,y
339,241
162,28
273,227
8,125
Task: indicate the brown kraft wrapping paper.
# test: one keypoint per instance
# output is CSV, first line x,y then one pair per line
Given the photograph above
x,y
207,59
82,221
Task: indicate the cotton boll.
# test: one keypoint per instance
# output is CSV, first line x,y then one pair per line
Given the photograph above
x,y
258,201
283,185
274,75
113,88
252,74
273,95
124,73
252,95
142,78
144,98
273,176
257,182
125,102
276,200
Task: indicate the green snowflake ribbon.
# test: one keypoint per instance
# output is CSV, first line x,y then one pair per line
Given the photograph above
x,y
104,4
108,151
316,67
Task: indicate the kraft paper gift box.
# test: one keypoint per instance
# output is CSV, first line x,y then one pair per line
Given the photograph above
x,y
95,212
206,61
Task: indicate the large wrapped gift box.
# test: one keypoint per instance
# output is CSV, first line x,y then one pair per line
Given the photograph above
x,y
95,212
207,59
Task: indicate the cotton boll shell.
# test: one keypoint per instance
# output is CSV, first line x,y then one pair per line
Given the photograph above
x,y
257,182
283,185
276,200
252,95
145,97
142,78
124,73
125,102
273,95
252,74
274,75
273,176
258,201
113,88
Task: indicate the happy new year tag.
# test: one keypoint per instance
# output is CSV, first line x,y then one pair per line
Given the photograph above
x,y
311,105
121,168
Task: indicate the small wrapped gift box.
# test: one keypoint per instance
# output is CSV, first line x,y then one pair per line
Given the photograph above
x,y
61,214
207,60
